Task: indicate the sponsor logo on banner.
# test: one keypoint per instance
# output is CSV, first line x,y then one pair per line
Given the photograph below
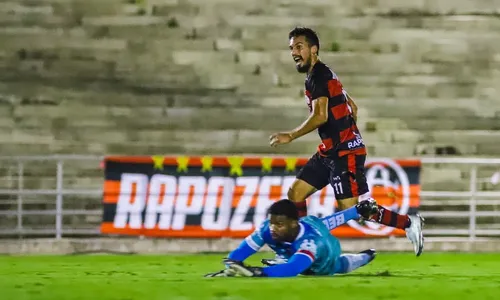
x,y
229,197
164,201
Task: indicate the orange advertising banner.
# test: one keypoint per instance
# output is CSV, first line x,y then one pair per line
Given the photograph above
x,y
228,196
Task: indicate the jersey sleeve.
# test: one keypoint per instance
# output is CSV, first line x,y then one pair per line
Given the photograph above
x,y
256,239
319,86
251,244
340,218
325,83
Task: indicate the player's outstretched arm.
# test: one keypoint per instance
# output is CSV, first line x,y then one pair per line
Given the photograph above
x,y
364,208
340,218
317,117
250,244
298,263
244,250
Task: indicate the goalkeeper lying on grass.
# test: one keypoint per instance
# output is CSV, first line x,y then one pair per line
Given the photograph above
x,y
306,246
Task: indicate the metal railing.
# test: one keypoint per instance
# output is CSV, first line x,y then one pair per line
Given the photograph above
x,y
472,198
18,194
58,182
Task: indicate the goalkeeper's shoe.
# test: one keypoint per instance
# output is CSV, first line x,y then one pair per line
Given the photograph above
x,y
415,235
371,252
240,269
222,273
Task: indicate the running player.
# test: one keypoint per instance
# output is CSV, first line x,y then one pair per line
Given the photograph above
x,y
340,158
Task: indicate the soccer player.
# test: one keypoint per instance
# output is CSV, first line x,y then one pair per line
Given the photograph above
x,y
340,158
305,245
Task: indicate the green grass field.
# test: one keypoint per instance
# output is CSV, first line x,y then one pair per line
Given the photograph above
x,y
390,276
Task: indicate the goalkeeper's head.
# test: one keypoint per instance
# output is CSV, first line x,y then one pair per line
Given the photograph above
x,y
283,221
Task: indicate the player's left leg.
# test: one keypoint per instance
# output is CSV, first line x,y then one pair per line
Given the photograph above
x,y
347,263
312,177
349,182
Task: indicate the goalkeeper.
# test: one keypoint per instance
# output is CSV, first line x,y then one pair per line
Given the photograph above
x,y
305,246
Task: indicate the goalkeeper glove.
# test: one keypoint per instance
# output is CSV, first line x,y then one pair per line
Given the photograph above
x,y
240,269
222,273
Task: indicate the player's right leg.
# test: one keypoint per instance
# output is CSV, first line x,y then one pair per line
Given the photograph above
x,y
349,183
313,177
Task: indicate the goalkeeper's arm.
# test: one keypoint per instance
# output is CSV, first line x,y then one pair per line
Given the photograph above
x,y
250,244
298,263
247,248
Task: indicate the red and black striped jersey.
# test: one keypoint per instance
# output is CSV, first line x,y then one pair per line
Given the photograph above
x,y
339,135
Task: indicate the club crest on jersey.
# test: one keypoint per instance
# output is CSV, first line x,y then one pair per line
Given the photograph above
x,y
309,245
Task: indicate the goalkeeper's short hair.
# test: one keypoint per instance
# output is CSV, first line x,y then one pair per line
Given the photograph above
x,y
284,207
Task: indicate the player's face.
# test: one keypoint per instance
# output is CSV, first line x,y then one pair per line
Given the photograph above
x,y
301,53
282,228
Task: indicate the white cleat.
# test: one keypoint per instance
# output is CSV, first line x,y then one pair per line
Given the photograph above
x,y
415,235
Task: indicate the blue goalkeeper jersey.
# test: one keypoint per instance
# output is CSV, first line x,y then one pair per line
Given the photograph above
x,y
314,241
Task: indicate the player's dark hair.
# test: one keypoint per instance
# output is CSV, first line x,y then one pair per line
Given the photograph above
x,y
309,34
284,207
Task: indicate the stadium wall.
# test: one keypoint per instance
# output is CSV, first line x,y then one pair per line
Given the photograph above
x,y
182,246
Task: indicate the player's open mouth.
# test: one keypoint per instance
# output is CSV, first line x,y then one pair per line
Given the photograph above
x,y
297,59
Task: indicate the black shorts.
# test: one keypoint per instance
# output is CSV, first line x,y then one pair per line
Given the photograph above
x,y
345,174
